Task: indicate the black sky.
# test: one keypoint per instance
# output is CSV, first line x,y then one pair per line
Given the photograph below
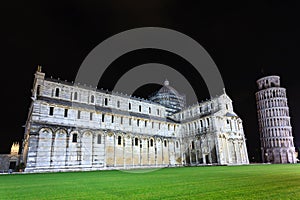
x,y
246,41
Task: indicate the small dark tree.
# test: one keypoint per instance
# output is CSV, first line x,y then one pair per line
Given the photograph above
x,y
20,167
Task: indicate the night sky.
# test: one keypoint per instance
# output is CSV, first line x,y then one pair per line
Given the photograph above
x,y
246,41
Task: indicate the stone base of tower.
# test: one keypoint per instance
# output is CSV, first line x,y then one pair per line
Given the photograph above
x,y
279,155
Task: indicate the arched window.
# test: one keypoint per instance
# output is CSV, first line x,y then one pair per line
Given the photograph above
x,y
92,99
177,144
193,145
38,90
140,108
149,110
74,137
136,141
138,122
66,113
75,96
118,104
99,139
151,142
51,110
103,117
57,92
165,143
105,101
129,106
119,140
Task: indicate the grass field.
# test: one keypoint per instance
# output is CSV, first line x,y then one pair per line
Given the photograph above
x,y
213,182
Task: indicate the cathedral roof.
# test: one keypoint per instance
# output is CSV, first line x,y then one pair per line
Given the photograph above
x,y
230,114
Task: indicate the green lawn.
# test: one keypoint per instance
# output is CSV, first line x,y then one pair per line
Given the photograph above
x,y
214,182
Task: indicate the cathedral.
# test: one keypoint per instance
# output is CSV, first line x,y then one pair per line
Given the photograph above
x,y
78,128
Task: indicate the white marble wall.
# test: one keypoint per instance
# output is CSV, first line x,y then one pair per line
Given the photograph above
x,y
275,129
78,128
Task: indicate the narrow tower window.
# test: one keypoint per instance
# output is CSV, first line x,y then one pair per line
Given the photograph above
x,y
119,140
66,113
75,95
99,139
74,137
38,90
51,111
57,92
92,99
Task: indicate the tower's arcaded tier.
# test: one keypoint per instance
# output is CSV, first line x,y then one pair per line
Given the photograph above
x,y
275,129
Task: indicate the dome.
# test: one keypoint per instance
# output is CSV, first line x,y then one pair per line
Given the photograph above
x,y
170,98
167,89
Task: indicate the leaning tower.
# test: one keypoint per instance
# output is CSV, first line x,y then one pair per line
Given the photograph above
x,y
275,129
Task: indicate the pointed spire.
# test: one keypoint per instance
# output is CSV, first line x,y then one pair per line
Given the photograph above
x,y
39,74
224,91
39,68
